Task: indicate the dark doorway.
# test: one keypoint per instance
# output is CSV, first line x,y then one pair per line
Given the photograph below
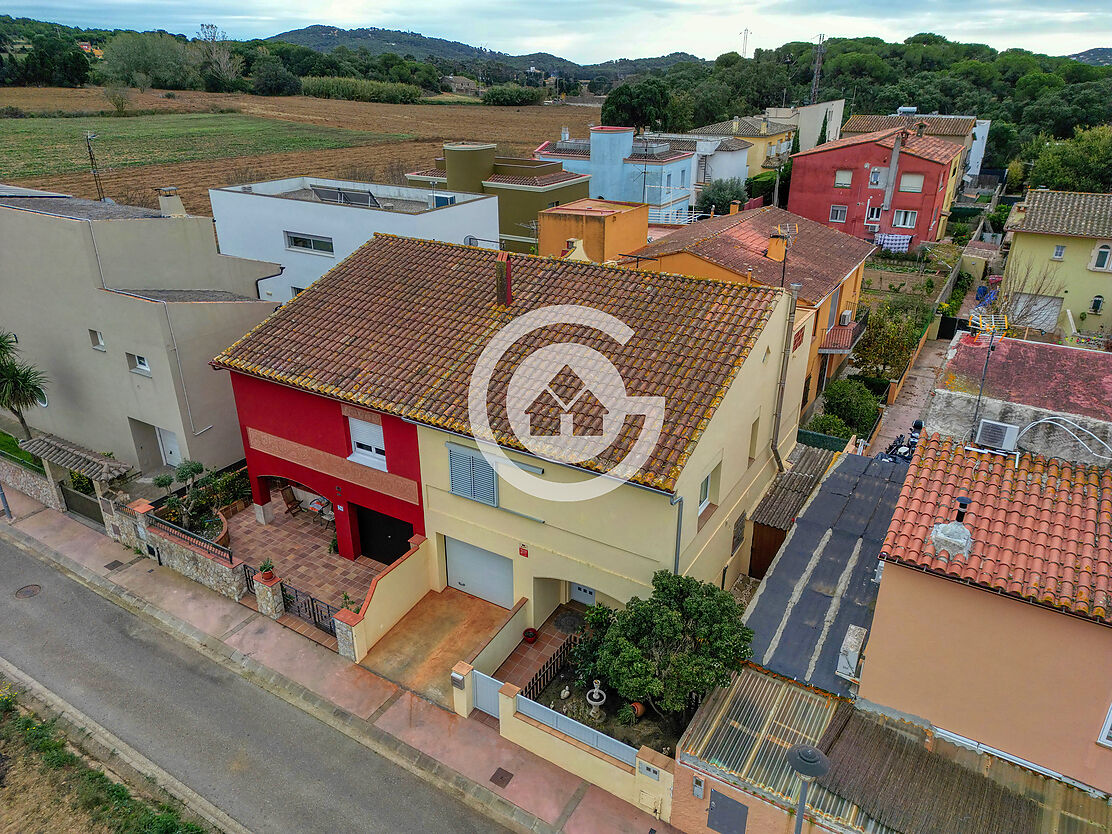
x,y
766,544
381,537
726,815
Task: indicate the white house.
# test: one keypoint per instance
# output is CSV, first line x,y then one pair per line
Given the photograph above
x,y
809,118
310,224
716,157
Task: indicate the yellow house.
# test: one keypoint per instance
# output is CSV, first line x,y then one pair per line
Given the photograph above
x,y
607,229
828,264
1061,257
771,141
399,332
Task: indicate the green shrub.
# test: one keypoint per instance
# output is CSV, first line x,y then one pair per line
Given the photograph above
x,y
273,79
830,424
852,402
876,384
511,95
360,89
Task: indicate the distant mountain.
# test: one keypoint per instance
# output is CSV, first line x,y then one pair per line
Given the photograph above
x,y
1101,56
378,41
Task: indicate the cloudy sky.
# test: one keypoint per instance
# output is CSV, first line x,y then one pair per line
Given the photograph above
x,y
595,30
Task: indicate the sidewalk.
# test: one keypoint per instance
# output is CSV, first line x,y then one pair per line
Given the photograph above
x,y
457,755
914,397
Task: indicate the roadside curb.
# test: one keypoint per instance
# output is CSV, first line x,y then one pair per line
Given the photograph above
x,y
477,796
112,751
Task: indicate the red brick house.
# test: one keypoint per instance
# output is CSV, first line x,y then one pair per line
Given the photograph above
x,y
893,187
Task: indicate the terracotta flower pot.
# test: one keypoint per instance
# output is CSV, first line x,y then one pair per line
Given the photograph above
x,y
529,636
638,708
266,575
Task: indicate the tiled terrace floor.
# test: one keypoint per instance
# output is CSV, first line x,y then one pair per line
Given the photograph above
x,y
298,546
525,660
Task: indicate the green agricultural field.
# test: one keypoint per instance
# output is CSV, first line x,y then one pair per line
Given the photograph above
x,y
50,146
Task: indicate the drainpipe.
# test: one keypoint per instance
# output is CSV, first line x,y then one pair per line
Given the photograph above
x,y
789,329
677,499
890,186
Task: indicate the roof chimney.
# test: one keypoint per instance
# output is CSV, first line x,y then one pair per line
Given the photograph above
x,y
963,504
737,124
503,288
169,203
777,247
919,128
564,134
764,125
952,537
734,206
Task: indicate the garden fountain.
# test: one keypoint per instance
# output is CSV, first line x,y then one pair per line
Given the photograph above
x,y
596,698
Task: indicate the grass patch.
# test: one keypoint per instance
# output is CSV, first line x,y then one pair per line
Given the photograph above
x,y
60,791
49,146
10,447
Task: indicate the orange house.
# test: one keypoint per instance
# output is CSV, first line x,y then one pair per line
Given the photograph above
x,y
744,247
994,619
607,229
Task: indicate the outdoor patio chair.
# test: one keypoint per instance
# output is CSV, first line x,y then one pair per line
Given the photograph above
x,y
293,506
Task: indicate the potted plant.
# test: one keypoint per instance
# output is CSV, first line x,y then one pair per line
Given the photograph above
x,y
266,570
529,636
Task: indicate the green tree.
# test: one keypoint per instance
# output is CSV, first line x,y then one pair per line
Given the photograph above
x,y
273,79
512,95
1083,163
720,193
187,473
598,85
829,424
22,386
670,650
885,346
850,400
640,106
822,130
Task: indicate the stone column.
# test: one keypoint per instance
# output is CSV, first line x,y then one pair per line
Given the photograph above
x,y
54,475
344,622
268,594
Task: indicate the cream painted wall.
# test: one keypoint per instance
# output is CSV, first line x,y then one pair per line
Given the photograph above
x,y
1029,681
50,284
614,543
1078,283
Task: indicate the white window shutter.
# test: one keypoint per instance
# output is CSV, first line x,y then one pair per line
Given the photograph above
x,y
369,434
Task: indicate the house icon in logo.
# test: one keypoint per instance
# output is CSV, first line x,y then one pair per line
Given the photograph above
x,y
567,407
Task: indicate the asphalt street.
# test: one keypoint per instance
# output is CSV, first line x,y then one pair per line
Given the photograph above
x,y
266,763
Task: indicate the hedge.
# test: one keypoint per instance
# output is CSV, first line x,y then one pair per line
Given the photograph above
x,y
512,95
360,89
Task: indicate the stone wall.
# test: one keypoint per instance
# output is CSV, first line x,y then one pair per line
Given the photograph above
x,y
30,483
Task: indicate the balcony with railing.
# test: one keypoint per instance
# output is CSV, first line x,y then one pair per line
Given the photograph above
x,y
842,338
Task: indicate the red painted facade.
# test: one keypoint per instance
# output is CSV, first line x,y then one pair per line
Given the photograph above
x,y
318,424
813,190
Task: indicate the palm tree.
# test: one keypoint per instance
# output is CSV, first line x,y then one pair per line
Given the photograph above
x,y
21,387
8,348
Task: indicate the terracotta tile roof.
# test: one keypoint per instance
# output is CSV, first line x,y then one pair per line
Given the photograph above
x,y
820,257
69,455
1042,528
926,147
399,325
1054,377
1076,213
543,179
734,144
936,125
429,172
746,126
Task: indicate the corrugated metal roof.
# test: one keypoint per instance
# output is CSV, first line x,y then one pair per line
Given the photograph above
x,y
789,492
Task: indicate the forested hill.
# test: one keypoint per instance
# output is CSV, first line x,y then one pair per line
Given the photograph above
x,y
1101,56
381,41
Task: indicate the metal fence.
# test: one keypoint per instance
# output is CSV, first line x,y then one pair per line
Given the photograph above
x,y
580,732
821,441
191,539
308,608
550,669
486,692
249,576
84,505
26,464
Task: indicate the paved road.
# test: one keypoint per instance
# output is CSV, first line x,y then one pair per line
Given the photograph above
x,y
266,763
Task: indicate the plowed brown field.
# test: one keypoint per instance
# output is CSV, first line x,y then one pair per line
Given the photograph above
x,y
516,130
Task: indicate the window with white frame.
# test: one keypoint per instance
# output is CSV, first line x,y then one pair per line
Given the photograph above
x,y
1102,257
704,494
911,182
1106,731
904,219
368,445
309,243
138,364
471,476
1097,305
1059,252
843,178
838,214
96,339
877,178
873,214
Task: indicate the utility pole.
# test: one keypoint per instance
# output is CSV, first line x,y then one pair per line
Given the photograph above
x,y
820,48
744,42
89,137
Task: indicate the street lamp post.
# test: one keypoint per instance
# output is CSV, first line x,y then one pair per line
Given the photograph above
x,y
810,763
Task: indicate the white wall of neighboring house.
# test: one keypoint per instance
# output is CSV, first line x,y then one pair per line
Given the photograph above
x,y
253,224
808,119
980,141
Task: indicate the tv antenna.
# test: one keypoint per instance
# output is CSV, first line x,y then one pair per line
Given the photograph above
x,y
820,48
89,137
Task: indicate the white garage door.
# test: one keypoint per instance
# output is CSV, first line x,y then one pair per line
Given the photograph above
x,y
479,572
1039,311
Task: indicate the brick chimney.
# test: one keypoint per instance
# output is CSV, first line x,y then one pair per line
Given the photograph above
x,y
503,287
734,206
919,128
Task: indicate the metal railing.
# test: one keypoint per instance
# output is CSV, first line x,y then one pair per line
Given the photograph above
x,y
580,732
308,608
26,464
124,510
249,576
551,667
209,548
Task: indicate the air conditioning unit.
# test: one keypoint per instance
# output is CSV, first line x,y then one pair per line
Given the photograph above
x,y
872,227
993,435
846,318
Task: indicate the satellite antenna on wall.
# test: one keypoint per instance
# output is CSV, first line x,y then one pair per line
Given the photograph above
x,y
89,137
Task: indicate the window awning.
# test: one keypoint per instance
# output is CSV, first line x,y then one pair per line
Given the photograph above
x,y
76,458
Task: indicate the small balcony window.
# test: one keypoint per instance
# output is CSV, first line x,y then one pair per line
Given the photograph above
x,y
1059,252
138,364
309,243
838,214
843,178
96,339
